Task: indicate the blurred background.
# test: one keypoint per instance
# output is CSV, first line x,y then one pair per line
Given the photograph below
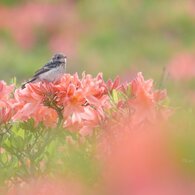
x,y
114,37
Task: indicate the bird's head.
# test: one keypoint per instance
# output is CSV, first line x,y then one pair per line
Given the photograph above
x,y
59,57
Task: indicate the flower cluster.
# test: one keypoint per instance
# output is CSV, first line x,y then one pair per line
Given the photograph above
x,y
114,113
79,102
85,103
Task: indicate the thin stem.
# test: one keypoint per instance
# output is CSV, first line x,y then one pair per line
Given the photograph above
x,y
163,78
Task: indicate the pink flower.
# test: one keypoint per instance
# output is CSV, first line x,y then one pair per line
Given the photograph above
x,y
84,122
81,102
140,161
137,103
5,92
6,110
113,85
182,67
47,187
85,104
73,101
84,101
30,103
144,100
93,86
5,114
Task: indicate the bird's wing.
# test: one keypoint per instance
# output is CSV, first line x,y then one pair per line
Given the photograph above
x,y
46,68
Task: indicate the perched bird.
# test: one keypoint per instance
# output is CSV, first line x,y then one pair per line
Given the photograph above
x,y
51,71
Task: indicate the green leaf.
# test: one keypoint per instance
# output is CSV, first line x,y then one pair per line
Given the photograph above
x,y
20,142
28,125
14,80
4,158
7,143
115,96
21,133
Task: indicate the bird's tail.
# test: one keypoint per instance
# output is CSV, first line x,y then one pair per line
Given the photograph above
x,y
30,81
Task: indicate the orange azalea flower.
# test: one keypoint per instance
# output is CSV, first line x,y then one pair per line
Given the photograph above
x,y
68,86
73,100
114,85
5,114
5,92
74,97
93,86
84,121
46,115
6,110
78,97
83,103
144,100
30,104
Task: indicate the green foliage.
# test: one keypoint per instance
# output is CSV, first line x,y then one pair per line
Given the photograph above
x,y
29,151
11,2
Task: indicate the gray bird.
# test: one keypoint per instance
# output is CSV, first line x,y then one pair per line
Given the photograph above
x,y
51,71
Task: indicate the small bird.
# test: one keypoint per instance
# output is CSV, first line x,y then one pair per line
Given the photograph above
x,y
51,71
